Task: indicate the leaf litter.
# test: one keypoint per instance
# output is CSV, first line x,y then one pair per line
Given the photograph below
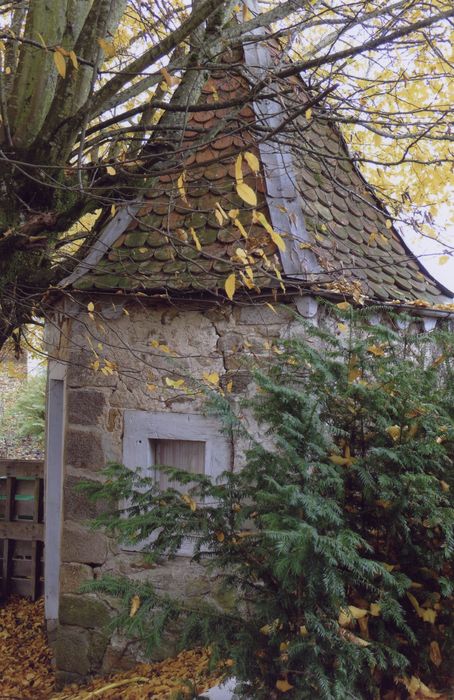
x,y
27,673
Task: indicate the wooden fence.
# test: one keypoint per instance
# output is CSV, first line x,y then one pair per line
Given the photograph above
x,y
21,527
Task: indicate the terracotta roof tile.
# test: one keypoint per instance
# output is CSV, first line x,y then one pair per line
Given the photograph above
x,y
186,243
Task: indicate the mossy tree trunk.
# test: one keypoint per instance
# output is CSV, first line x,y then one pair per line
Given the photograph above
x,y
43,114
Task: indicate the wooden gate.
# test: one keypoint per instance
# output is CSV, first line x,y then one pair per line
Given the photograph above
x,y
21,527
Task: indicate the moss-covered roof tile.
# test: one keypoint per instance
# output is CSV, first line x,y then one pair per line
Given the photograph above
x,y
189,234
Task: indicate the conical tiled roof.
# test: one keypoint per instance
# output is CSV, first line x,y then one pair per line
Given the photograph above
x,y
193,230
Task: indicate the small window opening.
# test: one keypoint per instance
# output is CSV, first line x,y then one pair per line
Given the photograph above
x,y
188,455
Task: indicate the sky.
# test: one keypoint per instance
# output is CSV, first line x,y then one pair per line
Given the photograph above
x,y
429,251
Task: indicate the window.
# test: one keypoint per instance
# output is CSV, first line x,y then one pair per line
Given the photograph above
x,y
183,454
184,440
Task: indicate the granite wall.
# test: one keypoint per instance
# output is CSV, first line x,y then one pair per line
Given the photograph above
x,y
119,356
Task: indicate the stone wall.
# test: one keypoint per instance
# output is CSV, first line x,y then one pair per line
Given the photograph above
x,y
120,356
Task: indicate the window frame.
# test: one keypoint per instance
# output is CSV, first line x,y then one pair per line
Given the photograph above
x,y
141,427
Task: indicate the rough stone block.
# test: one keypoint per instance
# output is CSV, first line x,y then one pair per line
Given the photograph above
x,y
84,450
82,546
98,646
77,505
85,406
118,657
262,315
84,611
230,343
73,575
80,374
64,678
71,651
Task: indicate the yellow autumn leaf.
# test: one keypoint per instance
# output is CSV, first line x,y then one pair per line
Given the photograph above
x,y
247,281
107,47
170,80
389,223
358,641
60,63
175,383
246,193
376,350
73,59
337,459
260,218
233,213
342,327
252,161
229,285
247,14
382,503
240,228
211,377
357,613
343,305
308,114
189,502
241,254
229,387
435,653
180,185
90,306
195,238
417,689
221,211
394,432
135,605
239,169
220,536
278,240
438,360
375,609
444,486
283,685
41,38
353,374
426,614
111,170
270,306
303,631
443,259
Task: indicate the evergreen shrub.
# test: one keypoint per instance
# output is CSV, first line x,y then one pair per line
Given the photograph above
x,y
336,537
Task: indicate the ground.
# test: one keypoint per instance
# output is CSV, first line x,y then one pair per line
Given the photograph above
x,y
26,671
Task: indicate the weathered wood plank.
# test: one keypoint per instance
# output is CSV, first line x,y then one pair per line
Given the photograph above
x,y
34,570
6,566
21,526
21,467
22,530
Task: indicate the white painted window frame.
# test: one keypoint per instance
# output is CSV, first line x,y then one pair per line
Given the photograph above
x,y
141,427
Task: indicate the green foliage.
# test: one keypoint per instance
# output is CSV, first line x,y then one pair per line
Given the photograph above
x,y
337,535
28,411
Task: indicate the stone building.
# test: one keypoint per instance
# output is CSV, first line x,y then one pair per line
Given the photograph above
x,y
150,310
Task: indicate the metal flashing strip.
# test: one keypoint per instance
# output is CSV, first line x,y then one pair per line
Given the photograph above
x,y
284,201
111,232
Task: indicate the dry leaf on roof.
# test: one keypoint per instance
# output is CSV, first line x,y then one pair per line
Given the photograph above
x,y
246,193
229,285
